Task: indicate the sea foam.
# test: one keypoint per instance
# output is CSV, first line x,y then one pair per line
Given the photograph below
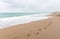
x,y
11,21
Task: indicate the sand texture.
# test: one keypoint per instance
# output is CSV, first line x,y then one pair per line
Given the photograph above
x,y
42,29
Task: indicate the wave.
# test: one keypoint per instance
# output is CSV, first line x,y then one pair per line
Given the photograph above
x,y
8,22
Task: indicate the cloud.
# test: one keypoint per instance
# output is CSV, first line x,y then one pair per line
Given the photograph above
x,y
29,5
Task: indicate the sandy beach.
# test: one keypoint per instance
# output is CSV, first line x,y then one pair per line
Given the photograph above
x,y
41,29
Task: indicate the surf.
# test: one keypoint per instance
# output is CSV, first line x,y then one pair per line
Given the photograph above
x,y
11,21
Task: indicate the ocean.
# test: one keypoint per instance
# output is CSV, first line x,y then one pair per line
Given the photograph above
x,y
11,19
4,15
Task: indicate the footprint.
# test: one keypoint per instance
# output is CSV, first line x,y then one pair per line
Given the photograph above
x,y
39,29
28,35
37,33
45,27
50,23
58,15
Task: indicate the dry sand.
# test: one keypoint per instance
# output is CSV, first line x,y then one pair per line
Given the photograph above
x,y
42,29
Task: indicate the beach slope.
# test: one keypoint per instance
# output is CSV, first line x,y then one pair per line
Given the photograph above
x,y
41,29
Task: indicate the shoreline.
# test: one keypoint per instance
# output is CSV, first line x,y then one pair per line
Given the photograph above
x,y
41,29
8,22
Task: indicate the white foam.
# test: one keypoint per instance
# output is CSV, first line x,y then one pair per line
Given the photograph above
x,y
8,22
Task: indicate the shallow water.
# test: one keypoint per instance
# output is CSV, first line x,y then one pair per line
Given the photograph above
x,y
3,15
8,20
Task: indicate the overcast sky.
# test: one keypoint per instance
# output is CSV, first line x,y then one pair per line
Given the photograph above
x,y
29,6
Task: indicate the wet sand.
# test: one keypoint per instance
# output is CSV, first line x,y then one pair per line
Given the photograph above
x,y
42,29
